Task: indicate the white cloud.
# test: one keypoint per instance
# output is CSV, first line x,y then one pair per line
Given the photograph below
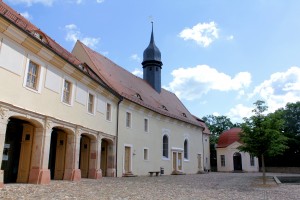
x,y
280,88
192,83
138,72
26,15
135,57
78,1
74,34
30,2
216,114
99,1
237,113
203,33
231,37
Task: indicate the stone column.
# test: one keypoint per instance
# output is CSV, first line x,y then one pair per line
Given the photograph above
x,y
95,159
3,125
76,173
39,172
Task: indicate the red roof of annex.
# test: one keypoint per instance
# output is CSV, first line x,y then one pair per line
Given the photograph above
x,y
228,137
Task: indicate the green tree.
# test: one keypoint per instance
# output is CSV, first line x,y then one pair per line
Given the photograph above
x,y
216,125
291,157
262,134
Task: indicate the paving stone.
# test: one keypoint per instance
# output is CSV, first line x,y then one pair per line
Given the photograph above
x,y
223,186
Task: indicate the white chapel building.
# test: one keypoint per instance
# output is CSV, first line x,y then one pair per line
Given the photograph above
x,y
229,158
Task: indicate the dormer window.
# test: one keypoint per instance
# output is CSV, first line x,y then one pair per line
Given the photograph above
x,y
164,107
183,114
81,67
39,35
137,95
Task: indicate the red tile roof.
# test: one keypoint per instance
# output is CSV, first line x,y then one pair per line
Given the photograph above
x,y
228,137
132,87
202,123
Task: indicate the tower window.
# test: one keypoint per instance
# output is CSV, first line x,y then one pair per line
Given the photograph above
x,y
150,69
156,68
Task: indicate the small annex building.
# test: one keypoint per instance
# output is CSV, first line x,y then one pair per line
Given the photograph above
x,y
229,158
71,115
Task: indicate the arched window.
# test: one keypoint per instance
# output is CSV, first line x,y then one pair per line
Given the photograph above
x,y
186,155
165,146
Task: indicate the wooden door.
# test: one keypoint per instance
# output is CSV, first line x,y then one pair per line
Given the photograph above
x,y
174,161
25,154
199,162
84,156
127,160
60,155
179,161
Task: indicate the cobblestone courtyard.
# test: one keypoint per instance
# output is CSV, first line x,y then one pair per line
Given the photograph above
x,y
202,186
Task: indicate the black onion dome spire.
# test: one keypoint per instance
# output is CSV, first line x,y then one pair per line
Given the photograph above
x,y
152,52
152,65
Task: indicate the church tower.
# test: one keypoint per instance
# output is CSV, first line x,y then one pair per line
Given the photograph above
x,y
152,64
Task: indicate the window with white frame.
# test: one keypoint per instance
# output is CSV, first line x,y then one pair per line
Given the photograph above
x,y
146,125
165,146
108,111
128,119
222,160
252,163
33,73
186,155
146,154
67,92
91,103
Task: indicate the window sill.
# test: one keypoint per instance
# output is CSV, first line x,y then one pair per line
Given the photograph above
x,y
67,104
32,90
165,158
93,114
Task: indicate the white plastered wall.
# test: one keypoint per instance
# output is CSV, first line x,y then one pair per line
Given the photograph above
x,y
152,140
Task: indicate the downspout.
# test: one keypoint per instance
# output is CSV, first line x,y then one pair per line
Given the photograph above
x,y
117,134
203,148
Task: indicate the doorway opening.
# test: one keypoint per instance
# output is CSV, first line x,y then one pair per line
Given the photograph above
x,y
57,155
84,160
17,151
237,161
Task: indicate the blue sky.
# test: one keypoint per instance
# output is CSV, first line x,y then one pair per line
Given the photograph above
x,y
218,56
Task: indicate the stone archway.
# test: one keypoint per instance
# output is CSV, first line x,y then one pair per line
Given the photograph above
x,y
237,162
18,151
61,152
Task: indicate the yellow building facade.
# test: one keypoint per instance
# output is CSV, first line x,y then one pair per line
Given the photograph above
x,y
62,119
